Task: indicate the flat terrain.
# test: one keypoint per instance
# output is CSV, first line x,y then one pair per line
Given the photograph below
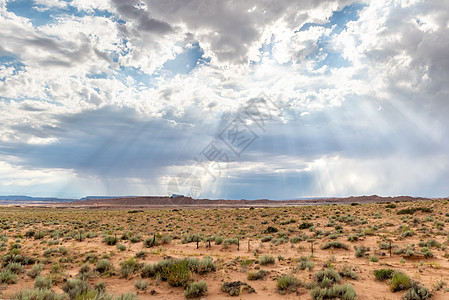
x,y
142,251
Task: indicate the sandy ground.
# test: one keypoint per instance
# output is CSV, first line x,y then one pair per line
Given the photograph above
x,y
229,223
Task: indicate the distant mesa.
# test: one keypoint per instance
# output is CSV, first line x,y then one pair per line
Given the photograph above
x,y
176,196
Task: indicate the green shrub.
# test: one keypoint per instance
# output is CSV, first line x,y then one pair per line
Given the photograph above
x,y
148,270
400,281
227,242
121,247
35,270
150,242
196,289
344,292
37,294
128,267
305,225
84,272
127,296
7,276
373,258
75,287
259,275
266,238
110,240
417,292
104,266
327,277
203,266
334,244
235,287
383,274
348,272
266,259
361,251
176,272
141,254
271,229
218,240
306,263
288,283
141,284
190,238
42,283
15,267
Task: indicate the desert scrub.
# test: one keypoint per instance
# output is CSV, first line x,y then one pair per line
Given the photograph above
x,y
141,284
121,247
35,270
348,272
383,274
104,266
15,267
42,283
266,259
259,275
176,272
400,281
190,238
417,292
345,292
151,242
8,277
37,294
305,263
75,287
236,287
334,244
266,238
305,225
148,270
203,266
84,272
218,240
110,240
196,289
361,251
327,277
373,258
129,267
287,283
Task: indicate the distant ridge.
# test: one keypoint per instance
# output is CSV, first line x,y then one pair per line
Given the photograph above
x,y
188,201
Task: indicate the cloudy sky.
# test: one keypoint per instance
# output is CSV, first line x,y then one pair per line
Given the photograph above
x,y
235,99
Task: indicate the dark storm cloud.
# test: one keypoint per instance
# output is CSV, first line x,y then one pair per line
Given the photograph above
x,y
130,11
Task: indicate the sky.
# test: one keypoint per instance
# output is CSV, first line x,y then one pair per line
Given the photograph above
x,y
224,99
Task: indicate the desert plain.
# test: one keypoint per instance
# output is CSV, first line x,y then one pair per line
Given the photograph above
x,y
387,249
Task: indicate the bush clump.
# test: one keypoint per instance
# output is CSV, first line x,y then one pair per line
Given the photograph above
x,y
196,289
266,259
42,283
400,281
104,266
259,275
288,283
335,245
110,240
345,292
234,288
75,287
417,292
383,274
35,270
37,294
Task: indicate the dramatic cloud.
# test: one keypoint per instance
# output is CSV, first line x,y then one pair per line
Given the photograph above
x,y
118,97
